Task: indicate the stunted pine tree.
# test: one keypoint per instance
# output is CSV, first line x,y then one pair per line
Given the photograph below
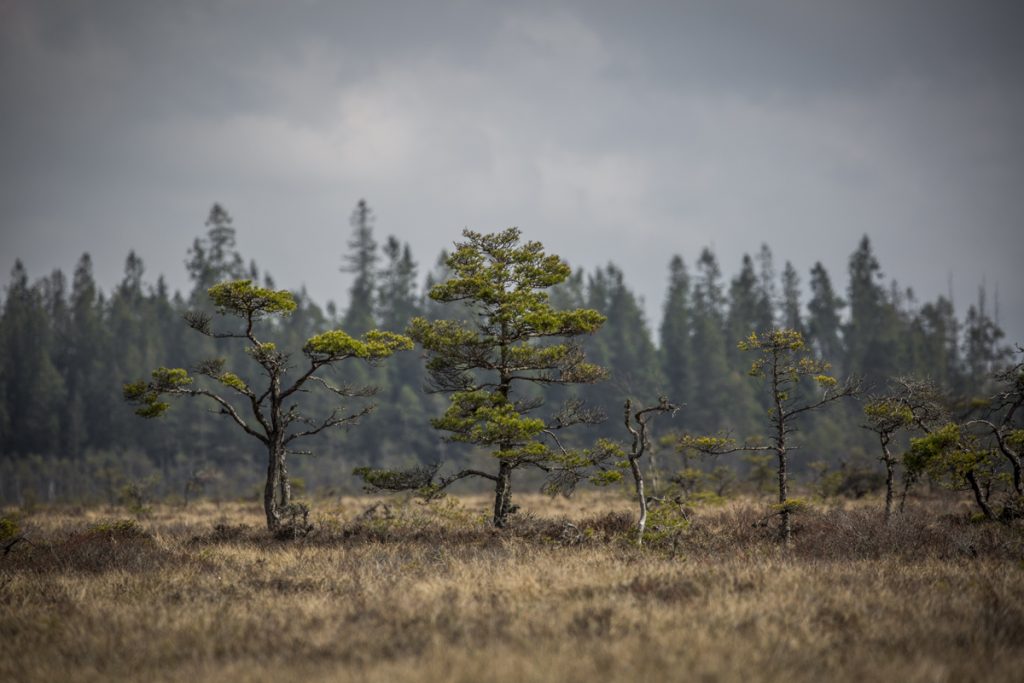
x,y
908,405
982,454
637,424
514,340
261,411
783,363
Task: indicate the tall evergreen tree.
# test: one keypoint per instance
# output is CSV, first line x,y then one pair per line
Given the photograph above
x,y
396,289
88,382
214,258
361,261
982,351
767,292
792,317
823,323
676,350
33,390
941,331
710,408
873,333
632,356
746,311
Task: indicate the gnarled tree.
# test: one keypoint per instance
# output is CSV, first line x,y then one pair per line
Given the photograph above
x,y
910,404
515,340
1004,420
982,454
261,411
604,463
783,363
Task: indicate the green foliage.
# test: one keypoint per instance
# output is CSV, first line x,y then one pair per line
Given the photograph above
x,y
417,479
9,527
337,345
511,340
949,455
711,445
606,477
246,300
487,418
230,379
792,505
665,523
888,413
147,394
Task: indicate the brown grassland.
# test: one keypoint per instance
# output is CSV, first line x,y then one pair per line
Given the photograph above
x,y
413,592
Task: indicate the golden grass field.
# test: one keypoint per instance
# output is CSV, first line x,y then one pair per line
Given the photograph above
x,y
431,593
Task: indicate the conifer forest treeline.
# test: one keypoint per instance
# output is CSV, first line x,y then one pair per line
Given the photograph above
x,y
67,349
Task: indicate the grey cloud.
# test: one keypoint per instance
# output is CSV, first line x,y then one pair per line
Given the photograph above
x,y
607,131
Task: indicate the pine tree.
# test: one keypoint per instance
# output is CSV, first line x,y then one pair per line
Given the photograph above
x,y
676,350
274,417
783,362
490,366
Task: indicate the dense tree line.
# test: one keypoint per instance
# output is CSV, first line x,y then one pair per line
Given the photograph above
x,y
67,348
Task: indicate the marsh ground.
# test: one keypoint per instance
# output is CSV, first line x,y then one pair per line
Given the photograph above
x,y
431,593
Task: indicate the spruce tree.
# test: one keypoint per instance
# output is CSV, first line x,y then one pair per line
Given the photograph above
x,y
824,327
711,365
361,261
791,315
676,351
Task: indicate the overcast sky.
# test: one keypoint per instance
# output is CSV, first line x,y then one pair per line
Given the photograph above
x,y
609,131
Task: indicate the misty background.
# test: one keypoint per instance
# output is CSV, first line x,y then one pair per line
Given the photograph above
x,y
608,132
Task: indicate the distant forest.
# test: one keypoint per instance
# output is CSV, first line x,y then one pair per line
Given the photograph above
x,y
66,349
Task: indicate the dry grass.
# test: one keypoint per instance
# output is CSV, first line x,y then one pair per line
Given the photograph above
x,y
423,594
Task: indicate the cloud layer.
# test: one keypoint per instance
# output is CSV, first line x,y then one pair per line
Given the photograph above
x,y
609,134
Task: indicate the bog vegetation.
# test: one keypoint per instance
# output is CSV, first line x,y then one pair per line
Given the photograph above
x,y
402,591
829,495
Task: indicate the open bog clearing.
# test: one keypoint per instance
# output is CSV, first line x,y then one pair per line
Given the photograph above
x,y
411,592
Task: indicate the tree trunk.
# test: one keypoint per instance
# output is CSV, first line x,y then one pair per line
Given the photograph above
x,y
1018,484
785,526
285,483
980,497
907,483
638,477
889,467
270,505
503,495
